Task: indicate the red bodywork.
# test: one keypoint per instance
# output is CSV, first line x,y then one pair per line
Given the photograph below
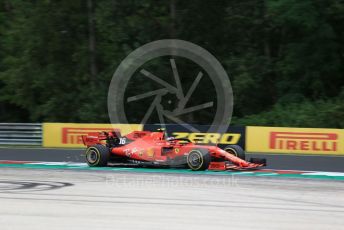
x,y
147,146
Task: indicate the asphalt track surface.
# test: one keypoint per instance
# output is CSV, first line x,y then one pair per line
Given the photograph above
x,y
285,162
59,198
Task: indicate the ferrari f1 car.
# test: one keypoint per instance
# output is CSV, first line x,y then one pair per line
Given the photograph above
x,y
146,148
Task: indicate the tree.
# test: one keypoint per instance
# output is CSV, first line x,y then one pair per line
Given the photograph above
x,y
57,57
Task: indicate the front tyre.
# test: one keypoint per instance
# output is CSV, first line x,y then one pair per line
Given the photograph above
x,y
97,156
235,150
198,159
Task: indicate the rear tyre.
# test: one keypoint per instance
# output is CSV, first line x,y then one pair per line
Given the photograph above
x,y
198,159
235,150
97,156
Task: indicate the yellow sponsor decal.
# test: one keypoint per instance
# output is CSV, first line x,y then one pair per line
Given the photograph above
x,y
294,140
176,150
210,138
69,134
150,152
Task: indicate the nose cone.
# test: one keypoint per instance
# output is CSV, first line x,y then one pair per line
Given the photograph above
x,y
215,149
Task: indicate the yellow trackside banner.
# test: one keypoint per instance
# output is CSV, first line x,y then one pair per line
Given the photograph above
x,y
295,140
69,134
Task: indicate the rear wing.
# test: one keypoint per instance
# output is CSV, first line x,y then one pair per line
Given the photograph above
x,y
94,138
99,138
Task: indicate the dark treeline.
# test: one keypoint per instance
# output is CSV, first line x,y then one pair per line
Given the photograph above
x,y
285,58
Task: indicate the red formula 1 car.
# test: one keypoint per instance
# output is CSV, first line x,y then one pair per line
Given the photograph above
x,y
145,148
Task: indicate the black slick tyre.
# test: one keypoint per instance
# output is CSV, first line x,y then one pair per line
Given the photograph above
x,y
97,156
235,150
198,159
